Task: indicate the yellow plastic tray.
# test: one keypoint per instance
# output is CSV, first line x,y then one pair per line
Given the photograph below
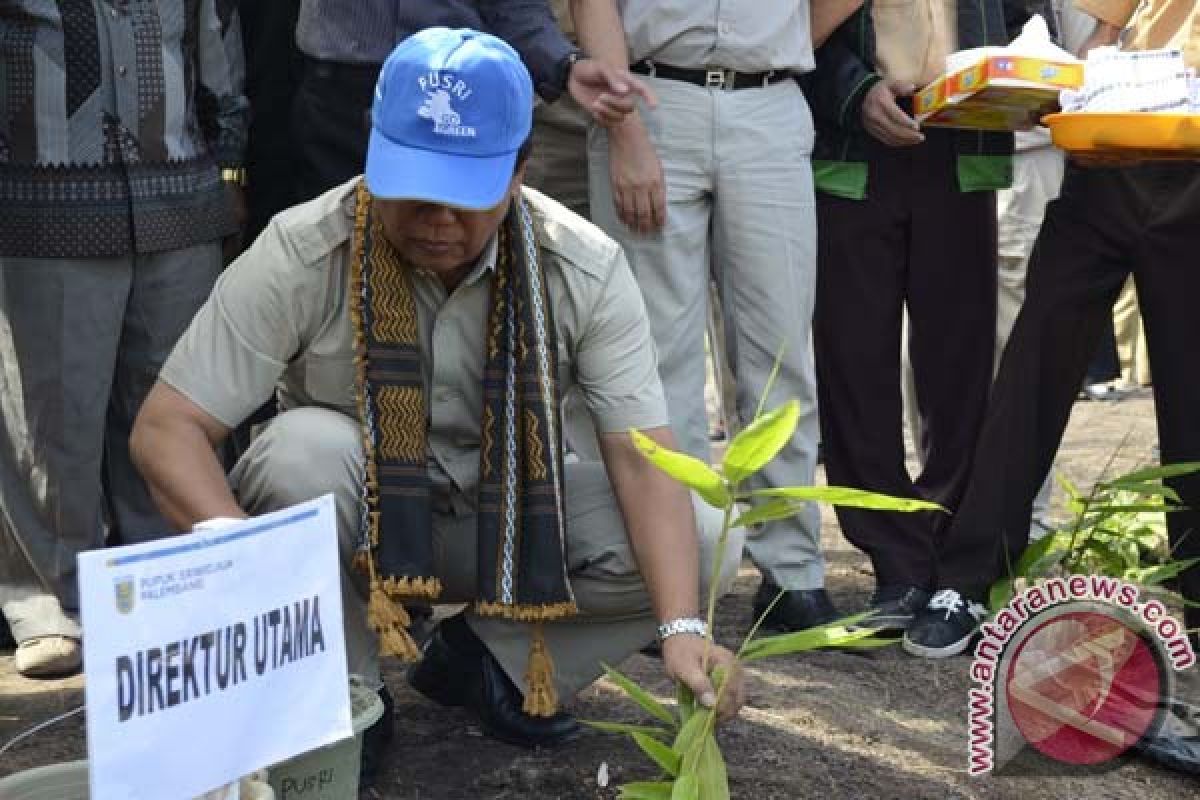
x,y
1164,136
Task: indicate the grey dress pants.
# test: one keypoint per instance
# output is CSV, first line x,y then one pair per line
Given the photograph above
x,y
81,343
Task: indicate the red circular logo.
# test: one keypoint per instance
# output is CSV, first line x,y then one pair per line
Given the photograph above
x,y
1083,687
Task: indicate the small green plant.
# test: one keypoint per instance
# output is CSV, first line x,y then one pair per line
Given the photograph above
x,y
682,742
1118,529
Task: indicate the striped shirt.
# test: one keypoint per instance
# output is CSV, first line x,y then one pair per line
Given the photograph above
x,y
114,115
365,31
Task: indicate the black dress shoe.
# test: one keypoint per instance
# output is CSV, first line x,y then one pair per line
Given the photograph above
x,y
893,608
457,670
376,741
797,610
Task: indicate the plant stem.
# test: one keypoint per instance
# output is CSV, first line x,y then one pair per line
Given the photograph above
x,y
715,576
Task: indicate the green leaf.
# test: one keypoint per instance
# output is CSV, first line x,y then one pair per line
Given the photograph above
x,y
691,472
1042,554
760,441
1159,473
646,790
845,496
692,730
625,729
1108,558
1142,508
1145,489
687,787
666,758
710,771
1001,594
837,634
1150,576
777,508
640,696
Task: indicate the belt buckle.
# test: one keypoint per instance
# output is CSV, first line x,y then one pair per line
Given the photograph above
x,y
719,78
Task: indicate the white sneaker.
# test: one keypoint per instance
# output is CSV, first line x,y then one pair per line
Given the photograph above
x,y
49,657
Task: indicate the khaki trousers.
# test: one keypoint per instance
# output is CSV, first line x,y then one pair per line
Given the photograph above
x,y
558,166
615,618
1131,337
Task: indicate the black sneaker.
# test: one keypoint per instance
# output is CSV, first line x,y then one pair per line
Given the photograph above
x,y
945,627
893,608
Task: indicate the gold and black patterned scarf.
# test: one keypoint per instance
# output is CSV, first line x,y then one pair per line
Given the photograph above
x,y
521,537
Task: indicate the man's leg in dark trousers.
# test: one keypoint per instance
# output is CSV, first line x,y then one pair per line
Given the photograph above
x,y
915,236
1088,241
1168,283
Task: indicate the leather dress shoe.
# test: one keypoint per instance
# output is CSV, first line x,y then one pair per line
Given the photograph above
x,y
376,741
455,671
797,610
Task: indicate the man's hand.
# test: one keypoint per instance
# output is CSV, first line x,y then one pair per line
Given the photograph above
x,y
638,186
885,120
683,658
607,93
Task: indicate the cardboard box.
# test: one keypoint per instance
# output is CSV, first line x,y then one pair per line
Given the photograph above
x,y
999,93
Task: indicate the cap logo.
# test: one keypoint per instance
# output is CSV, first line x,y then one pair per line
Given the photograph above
x,y
441,90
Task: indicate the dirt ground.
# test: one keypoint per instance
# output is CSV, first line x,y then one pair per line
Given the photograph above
x,y
833,726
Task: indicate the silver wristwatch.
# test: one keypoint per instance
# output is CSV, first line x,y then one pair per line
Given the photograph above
x,y
693,625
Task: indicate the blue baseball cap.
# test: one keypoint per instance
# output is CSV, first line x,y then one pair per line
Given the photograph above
x,y
452,108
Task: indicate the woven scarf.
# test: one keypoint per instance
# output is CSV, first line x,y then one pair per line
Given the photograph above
x,y
520,536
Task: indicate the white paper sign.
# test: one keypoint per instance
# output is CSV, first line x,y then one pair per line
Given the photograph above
x,y
213,654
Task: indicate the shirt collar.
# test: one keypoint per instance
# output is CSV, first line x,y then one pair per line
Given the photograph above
x,y
487,261
484,265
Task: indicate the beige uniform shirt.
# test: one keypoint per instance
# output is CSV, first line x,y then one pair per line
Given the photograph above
x,y
278,319
743,35
913,38
1153,24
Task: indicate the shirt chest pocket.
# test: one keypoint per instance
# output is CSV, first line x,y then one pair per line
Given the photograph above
x,y
329,380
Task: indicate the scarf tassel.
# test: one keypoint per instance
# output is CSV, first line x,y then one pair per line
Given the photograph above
x,y
541,698
390,621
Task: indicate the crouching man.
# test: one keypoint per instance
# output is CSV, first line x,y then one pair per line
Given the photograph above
x,y
418,327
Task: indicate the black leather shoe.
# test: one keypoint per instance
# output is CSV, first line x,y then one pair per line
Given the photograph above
x,y
376,741
797,610
457,675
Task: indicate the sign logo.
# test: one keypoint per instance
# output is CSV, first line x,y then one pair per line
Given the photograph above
x,y
1077,670
1083,688
123,588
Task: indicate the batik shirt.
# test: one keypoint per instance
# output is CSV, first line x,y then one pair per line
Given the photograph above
x,y
114,116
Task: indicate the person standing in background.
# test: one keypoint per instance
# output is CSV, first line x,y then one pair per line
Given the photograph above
x,y
1037,176
344,43
907,219
1109,221
717,179
117,193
